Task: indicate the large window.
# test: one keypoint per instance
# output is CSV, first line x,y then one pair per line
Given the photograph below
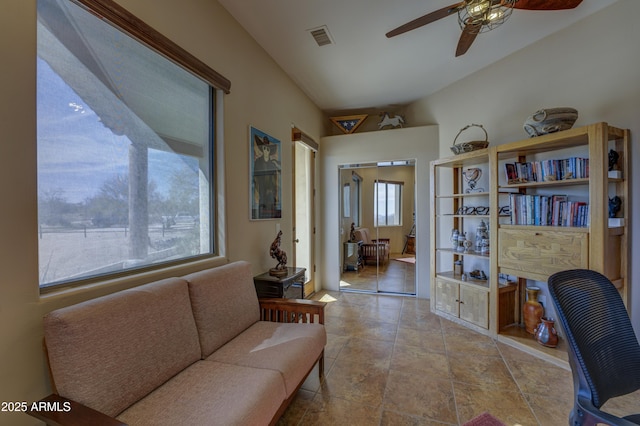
x,y
387,203
125,149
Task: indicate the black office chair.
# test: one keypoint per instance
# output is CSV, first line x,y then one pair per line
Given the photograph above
x,y
604,353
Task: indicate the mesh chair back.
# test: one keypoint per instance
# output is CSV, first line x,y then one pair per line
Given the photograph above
x,y
599,332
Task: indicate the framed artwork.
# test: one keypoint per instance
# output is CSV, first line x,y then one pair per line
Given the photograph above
x,y
265,176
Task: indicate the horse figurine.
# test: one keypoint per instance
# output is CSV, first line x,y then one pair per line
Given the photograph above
x,y
277,253
396,121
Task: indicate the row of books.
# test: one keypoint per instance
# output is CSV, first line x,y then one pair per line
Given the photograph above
x,y
547,170
553,210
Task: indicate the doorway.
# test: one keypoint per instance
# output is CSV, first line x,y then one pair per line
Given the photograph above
x,y
377,220
304,157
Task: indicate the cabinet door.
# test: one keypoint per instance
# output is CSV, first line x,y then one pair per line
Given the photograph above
x,y
474,306
447,297
536,254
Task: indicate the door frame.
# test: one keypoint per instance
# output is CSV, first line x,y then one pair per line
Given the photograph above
x,y
298,137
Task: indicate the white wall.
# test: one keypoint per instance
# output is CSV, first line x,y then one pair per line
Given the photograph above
x,y
261,95
419,143
591,66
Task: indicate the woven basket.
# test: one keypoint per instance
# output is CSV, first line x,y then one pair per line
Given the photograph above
x,y
459,148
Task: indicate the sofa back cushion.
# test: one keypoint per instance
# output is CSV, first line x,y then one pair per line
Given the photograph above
x,y
224,303
110,352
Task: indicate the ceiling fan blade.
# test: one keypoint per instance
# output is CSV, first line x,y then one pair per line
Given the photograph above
x,y
546,4
467,38
426,19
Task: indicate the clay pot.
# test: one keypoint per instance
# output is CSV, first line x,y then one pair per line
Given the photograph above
x,y
546,333
532,310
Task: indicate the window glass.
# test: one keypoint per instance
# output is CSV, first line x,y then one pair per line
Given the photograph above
x,y
387,203
125,151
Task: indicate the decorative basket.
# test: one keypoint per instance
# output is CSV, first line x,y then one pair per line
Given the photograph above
x,y
459,148
550,120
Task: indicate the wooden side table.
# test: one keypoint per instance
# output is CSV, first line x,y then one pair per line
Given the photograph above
x,y
352,256
289,286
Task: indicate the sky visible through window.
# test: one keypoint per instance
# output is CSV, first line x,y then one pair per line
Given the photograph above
x,y
77,153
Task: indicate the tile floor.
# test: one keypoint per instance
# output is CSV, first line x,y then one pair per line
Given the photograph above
x,y
390,361
391,276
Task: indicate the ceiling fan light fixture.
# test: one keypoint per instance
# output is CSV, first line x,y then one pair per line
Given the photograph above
x,y
484,15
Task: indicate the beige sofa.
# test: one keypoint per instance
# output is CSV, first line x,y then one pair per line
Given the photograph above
x,y
372,250
200,349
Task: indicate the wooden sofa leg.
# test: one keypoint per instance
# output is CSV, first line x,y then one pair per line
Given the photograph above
x,y
321,365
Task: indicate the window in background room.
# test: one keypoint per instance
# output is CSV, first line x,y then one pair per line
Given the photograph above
x,y
125,149
388,203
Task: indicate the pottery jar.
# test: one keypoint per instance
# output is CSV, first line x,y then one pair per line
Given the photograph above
x,y
546,333
532,310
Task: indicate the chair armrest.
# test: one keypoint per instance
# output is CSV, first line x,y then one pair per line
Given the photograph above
x,y
291,310
59,411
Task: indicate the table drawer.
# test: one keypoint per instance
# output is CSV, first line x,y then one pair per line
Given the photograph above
x,y
536,254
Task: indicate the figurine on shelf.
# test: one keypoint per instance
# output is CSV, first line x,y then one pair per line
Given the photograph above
x,y
352,233
613,160
481,234
467,246
454,238
277,253
615,204
462,238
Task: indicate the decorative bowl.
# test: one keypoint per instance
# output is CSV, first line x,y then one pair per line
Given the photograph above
x,y
550,120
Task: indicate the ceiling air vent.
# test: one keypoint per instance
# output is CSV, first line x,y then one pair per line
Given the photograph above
x,y
321,35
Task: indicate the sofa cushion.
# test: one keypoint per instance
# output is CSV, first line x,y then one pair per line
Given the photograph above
x,y
288,348
224,303
211,393
109,352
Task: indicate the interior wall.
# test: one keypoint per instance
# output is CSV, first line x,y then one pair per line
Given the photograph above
x,y
591,66
419,143
261,95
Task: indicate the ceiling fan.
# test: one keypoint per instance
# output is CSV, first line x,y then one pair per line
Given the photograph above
x,y
478,16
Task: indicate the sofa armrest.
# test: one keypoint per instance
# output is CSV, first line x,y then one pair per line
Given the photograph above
x,y
291,310
57,410
382,240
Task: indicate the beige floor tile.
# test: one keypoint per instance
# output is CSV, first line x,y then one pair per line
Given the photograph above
x,y
332,411
429,340
334,345
507,405
484,371
355,382
551,411
366,352
412,359
535,376
297,409
420,395
391,418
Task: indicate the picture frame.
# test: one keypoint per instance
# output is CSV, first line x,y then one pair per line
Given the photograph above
x,y
265,176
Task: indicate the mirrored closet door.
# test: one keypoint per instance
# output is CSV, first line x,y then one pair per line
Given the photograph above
x,y
377,227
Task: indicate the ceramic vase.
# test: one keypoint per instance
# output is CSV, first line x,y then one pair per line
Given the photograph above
x,y
532,310
546,333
